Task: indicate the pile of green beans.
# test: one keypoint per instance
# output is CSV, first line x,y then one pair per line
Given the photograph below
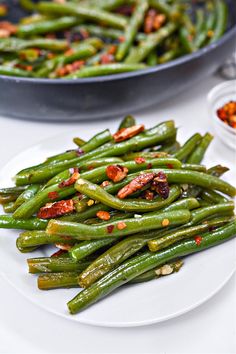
x,y
106,240
94,38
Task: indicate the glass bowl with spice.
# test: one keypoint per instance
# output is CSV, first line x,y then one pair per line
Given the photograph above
x,y
222,109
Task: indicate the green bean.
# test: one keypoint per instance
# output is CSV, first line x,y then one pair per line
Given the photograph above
x,y
132,29
10,71
221,20
55,264
169,55
4,199
79,142
70,279
147,261
187,40
81,51
210,211
202,36
198,154
188,147
58,280
166,269
31,206
152,58
86,248
152,137
170,148
174,236
106,69
127,121
105,32
132,225
27,5
17,44
212,197
39,238
8,222
87,214
27,194
150,155
12,190
88,13
193,167
139,53
9,207
47,26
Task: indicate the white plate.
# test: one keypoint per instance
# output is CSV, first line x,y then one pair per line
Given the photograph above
x,y
141,304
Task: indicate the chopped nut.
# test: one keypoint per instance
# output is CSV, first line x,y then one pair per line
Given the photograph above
x,y
52,210
127,133
136,184
80,181
121,225
71,180
116,172
105,184
103,215
148,195
90,202
165,222
160,185
166,269
63,246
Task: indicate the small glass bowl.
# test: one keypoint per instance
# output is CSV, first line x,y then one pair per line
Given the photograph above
x,y
218,97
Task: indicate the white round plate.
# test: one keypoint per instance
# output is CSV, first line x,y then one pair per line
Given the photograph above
x,y
200,278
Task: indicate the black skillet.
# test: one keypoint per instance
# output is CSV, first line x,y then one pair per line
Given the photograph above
x,y
114,95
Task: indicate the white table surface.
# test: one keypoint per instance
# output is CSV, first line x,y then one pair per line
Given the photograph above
x,y
25,328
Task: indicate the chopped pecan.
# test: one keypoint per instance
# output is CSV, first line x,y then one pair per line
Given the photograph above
x,y
105,184
127,133
136,184
159,20
58,253
103,215
148,195
63,246
121,225
53,195
7,29
160,185
52,210
149,20
116,172
71,180
107,58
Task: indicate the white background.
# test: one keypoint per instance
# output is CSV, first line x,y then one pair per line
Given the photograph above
x,y
25,328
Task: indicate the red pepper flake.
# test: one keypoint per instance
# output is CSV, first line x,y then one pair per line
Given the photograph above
x,y
121,225
198,240
112,49
170,165
58,253
110,228
116,172
121,39
103,215
227,114
71,180
149,21
139,160
127,133
149,165
52,210
53,195
107,58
